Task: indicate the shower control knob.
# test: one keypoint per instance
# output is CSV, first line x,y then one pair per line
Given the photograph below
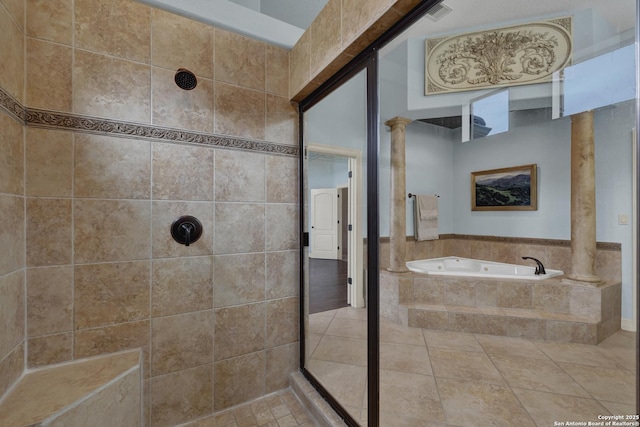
x,y
186,230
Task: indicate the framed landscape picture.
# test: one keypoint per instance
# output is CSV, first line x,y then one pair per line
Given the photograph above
x,y
506,189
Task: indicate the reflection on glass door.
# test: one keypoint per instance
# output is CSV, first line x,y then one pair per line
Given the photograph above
x,y
335,341
480,332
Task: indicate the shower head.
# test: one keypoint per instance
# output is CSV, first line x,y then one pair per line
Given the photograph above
x,y
185,79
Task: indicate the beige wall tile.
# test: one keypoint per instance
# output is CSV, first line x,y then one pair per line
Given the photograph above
x,y
181,342
277,74
356,19
12,234
608,265
49,162
459,292
239,60
12,48
49,227
300,64
583,333
179,108
239,380
16,10
514,295
182,172
112,230
106,294
49,300
486,294
560,258
503,252
479,249
120,28
282,121
366,37
50,20
239,330
239,279
110,339
182,285
551,298
179,42
181,396
50,349
282,227
114,88
11,367
239,111
282,179
534,329
12,298
48,75
165,213
536,251
283,319
281,362
239,176
282,274
239,228
428,291
12,159
326,36
109,167
466,322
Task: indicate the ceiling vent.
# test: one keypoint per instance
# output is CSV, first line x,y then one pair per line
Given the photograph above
x,y
438,11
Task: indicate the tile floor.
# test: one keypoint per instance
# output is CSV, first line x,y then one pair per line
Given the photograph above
x,y
438,378
282,409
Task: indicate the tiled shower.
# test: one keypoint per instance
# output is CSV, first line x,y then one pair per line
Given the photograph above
x,y
101,152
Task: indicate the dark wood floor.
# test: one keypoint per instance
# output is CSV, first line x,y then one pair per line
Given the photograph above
x,y
327,285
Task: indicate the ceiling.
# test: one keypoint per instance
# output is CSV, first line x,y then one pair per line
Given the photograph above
x,y
278,22
282,22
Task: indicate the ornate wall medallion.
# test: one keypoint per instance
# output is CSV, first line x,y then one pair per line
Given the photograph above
x,y
517,55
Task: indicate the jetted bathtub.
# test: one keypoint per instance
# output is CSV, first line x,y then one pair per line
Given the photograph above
x,y
466,267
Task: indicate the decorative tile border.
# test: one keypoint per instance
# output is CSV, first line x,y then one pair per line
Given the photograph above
x,y
56,120
12,107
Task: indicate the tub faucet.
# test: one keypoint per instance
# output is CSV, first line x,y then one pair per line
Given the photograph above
x,y
539,268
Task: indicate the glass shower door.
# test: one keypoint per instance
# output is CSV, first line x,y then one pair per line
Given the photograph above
x,y
334,219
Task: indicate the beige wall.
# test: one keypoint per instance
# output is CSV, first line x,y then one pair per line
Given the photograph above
x,y
218,320
12,230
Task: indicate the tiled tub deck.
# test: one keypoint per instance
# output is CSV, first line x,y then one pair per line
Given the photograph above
x,y
548,310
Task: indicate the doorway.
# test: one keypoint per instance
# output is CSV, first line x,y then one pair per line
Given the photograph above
x,y
335,230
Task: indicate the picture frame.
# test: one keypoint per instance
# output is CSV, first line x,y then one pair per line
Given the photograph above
x,y
506,189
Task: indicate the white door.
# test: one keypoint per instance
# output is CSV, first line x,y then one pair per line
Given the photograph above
x,y
325,230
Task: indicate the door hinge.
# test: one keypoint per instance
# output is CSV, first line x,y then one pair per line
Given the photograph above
x,y
305,239
349,281
350,227
350,174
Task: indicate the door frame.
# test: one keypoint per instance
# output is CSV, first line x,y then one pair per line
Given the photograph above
x,y
355,264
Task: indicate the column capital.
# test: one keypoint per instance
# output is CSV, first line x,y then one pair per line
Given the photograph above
x,y
397,120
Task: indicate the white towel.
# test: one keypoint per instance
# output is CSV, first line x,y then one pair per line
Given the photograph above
x,y
426,217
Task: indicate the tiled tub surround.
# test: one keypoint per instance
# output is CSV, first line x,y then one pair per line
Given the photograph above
x,y
540,310
99,145
103,390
